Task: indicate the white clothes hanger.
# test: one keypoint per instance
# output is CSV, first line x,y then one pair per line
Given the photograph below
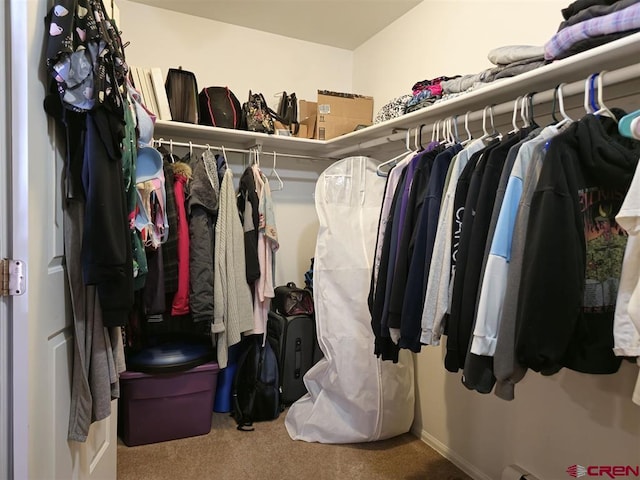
x,y
274,174
450,139
456,134
514,122
565,118
524,112
602,108
224,155
486,134
380,170
466,127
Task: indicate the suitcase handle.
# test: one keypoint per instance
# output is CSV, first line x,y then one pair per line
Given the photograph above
x,y
298,364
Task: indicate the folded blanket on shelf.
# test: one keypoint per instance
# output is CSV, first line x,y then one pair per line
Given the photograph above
x,y
624,20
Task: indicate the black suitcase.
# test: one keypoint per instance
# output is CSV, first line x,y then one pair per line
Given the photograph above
x,y
295,343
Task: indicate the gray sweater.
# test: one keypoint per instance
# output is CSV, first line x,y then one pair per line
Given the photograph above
x,y
505,366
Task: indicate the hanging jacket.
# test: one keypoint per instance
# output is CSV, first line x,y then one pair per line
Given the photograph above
x,y
506,368
574,250
248,208
106,255
464,300
383,345
232,299
415,200
410,330
203,211
467,193
438,282
170,246
181,175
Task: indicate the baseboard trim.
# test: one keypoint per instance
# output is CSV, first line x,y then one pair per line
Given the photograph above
x,y
450,455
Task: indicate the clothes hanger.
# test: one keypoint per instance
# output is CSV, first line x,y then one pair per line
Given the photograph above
x,y
380,170
603,110
418,138
456,133
256,157
273,173
592,93
625,125
590,106
565,118
466,127
224,155
449,135
554,104
531,116
514,117
524,112
435,132
439,139
486,134
635,128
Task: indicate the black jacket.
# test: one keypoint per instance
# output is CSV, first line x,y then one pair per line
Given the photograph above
x,y
248,206
204,196
467,191
419,184
574,250
384,346
106,243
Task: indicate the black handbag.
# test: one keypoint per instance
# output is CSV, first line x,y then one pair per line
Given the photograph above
x,y
182,93
288,112
291,300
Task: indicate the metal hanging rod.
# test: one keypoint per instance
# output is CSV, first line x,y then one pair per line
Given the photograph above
x,y
191,145
612,77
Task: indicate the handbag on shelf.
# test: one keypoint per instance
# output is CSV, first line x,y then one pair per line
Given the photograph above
x,y
257,116
219,107
291,300
182,93
288,112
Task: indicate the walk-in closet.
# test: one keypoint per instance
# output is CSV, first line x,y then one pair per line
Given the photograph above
x,y
469,252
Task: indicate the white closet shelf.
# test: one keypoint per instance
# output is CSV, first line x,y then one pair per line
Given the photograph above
x,y
372,140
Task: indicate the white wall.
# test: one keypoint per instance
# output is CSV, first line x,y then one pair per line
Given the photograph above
x,y
243,59
448,37
554,422
238,57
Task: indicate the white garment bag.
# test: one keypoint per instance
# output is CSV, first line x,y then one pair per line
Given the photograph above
x,y
353,396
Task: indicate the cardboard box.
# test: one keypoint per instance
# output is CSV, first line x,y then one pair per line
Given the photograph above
x,y
340,113
307,113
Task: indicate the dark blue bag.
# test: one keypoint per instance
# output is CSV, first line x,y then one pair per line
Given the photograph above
x,y
256,384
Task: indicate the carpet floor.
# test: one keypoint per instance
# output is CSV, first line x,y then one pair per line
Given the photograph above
x,y
268,453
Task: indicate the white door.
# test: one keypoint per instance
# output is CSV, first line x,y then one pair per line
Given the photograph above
x,y
42,324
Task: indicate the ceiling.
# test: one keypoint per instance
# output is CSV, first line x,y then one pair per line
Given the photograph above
x,y
342,24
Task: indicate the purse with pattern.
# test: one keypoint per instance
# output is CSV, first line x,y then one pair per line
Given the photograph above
x,y
257,115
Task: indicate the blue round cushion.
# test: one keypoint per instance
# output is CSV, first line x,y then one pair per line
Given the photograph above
x,y
173,355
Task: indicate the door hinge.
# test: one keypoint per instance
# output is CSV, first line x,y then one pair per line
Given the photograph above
x,y
12,277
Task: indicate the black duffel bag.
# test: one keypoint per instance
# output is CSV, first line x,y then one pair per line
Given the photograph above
x,y
291,300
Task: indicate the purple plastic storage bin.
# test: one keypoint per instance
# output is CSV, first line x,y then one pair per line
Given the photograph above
x,y
160,407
